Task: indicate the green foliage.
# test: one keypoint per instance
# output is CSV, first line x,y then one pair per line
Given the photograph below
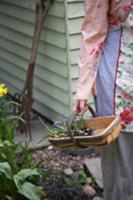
x,y
81,176
6,170
76,181
71,182
61,129
16,186
18,175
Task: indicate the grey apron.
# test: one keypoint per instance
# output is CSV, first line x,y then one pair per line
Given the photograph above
x,y
116,158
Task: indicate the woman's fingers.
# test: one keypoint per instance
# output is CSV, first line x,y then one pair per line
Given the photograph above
x,y
79,107
75,107
82,107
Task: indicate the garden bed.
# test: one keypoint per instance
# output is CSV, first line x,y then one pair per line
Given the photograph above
x,y
65,176
45,174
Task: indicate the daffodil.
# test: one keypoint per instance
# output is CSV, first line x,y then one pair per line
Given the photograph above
x,y
3,90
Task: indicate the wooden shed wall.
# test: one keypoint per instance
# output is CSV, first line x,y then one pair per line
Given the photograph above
x,y
56,67
75,14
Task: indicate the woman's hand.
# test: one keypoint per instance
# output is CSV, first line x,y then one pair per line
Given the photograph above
x,y
80,107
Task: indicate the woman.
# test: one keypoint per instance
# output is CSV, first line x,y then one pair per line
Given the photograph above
x,y
101,66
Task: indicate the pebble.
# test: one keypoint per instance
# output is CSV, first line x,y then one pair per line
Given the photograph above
x,y
89,190
68,171
97,198
78,158
57,164
88,180
50,147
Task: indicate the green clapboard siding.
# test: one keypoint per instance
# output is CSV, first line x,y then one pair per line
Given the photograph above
x,y
75,15
56,66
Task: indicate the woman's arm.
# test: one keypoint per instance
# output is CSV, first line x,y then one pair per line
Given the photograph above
x,y
94,32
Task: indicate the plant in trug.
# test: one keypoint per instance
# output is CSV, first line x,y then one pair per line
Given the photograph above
x,y
18,175
60,130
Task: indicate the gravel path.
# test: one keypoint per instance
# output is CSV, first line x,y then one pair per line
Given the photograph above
x,y
53,159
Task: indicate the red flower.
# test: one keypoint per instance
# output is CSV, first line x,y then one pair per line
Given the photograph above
x,y
127,115
127,8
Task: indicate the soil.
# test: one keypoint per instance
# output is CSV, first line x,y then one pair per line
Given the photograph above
x,y
57,188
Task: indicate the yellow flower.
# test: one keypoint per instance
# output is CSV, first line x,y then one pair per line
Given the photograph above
x,y
3,90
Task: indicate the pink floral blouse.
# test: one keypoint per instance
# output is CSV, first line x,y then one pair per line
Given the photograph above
x,y
101,15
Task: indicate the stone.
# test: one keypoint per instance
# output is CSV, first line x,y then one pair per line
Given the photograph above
x,y
68,171
88,180
89,190
97,198
50,147
93,165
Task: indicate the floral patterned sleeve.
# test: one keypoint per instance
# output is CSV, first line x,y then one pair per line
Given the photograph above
x,y
94,32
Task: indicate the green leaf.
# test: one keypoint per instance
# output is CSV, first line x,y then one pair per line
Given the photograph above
x,y
6,170
15,117
21,176
30,191
8,197
25,173
1,144
81,176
